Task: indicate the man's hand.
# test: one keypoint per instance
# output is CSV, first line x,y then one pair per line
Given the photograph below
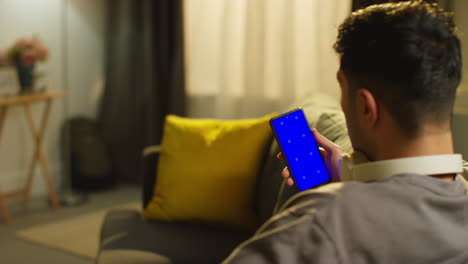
x,y
331,154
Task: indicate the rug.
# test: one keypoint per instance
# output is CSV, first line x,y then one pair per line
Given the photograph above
x,y
78,235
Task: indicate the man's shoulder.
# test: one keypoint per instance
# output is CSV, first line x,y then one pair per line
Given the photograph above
x,y
347,198
327,194
399,194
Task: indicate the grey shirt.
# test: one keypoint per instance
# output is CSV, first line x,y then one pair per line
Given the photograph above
x,y
406,218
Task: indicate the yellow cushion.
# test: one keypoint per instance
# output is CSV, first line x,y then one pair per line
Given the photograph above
x,y
207,170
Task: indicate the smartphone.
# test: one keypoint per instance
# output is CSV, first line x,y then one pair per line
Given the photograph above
x,y
300,150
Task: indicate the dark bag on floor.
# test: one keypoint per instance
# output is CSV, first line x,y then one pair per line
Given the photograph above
x,y
89,162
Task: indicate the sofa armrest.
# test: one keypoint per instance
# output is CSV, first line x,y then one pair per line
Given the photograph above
x,y
149,166
152,150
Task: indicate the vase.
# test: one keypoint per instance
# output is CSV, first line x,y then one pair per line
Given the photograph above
x,y
26,76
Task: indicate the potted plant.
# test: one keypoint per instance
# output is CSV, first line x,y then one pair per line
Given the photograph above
x,y
24,54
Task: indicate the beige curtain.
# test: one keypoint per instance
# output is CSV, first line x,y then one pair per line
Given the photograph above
x,y
246,58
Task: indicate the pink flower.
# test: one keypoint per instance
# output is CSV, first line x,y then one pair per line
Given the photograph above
x,y
42,52
24,43
29,57
27,51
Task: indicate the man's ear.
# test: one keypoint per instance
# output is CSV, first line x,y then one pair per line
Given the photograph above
x,y
367,107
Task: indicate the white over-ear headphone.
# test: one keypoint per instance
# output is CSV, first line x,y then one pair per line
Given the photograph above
x,y
354,168
347,162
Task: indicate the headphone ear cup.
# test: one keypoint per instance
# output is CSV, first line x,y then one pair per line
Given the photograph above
x,y
346,166
347,162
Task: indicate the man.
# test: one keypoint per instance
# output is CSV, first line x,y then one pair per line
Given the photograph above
x,y
400,67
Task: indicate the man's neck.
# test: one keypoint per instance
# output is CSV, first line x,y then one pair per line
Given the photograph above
x,y
433,144
428,144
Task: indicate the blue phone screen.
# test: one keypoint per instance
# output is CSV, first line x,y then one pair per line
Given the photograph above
x,y
300,150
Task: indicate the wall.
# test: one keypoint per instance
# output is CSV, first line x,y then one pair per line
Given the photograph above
x,y
461,7
75,66
460,121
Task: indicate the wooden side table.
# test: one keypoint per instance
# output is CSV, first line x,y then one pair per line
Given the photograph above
x,y
38,135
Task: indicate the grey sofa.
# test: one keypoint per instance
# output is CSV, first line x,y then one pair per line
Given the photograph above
x,y
127,238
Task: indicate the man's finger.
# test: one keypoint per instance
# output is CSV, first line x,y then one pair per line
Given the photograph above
x,y
324,142
290,182
285,173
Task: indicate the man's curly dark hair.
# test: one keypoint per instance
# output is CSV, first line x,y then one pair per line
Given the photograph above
x,y
408,55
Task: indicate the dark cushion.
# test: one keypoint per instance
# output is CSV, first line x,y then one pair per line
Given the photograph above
x,y
178,242
267,185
